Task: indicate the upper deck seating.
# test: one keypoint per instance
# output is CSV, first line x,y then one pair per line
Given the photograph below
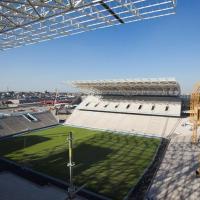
x,y
163,106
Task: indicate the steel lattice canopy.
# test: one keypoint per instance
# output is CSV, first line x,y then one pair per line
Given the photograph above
x,y
148,86
25,22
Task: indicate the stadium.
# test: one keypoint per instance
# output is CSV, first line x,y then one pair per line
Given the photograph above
x,y
123,130
124,105
118,139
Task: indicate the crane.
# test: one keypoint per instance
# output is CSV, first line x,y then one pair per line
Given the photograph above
x,y
56,96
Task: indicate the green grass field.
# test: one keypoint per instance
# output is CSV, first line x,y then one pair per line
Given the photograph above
x,y
110,164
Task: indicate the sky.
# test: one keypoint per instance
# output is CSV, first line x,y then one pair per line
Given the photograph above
x,y
164,47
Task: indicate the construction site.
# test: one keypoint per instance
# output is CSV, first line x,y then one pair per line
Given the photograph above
x,y
110,139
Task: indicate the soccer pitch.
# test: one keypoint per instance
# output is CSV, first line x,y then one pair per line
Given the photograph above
x,y
110,164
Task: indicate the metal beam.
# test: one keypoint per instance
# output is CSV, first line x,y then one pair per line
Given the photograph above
x,y
35,21
111,12
34,8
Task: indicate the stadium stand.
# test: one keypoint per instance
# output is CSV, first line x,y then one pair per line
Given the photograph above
x,y
151,106
19,123
137,105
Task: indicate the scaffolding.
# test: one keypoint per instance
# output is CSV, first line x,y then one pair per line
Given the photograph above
x,y
195,112
24,22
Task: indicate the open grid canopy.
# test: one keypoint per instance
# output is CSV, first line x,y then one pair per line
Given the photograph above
x,y
152,87
30,21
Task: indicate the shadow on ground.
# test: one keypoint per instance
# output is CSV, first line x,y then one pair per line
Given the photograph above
x,y
108,163
19,142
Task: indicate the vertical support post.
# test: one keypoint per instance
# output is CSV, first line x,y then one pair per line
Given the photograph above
x,y
71,188
194,133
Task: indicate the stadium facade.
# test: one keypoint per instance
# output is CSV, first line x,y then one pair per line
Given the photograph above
x,y
149,106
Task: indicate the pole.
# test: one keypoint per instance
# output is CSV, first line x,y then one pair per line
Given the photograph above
x,y
71,189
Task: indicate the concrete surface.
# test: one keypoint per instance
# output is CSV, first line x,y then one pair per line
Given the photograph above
x,y
13,187
176,178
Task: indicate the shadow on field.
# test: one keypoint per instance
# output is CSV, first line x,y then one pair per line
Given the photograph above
x,y
55,162
19,142
110,164
86,154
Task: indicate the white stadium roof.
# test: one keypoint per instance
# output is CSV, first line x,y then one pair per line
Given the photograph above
x,y
25,22
154,87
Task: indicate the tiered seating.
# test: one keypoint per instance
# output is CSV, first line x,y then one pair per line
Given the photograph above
x,y
163,106
15,124
154,125
149,106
